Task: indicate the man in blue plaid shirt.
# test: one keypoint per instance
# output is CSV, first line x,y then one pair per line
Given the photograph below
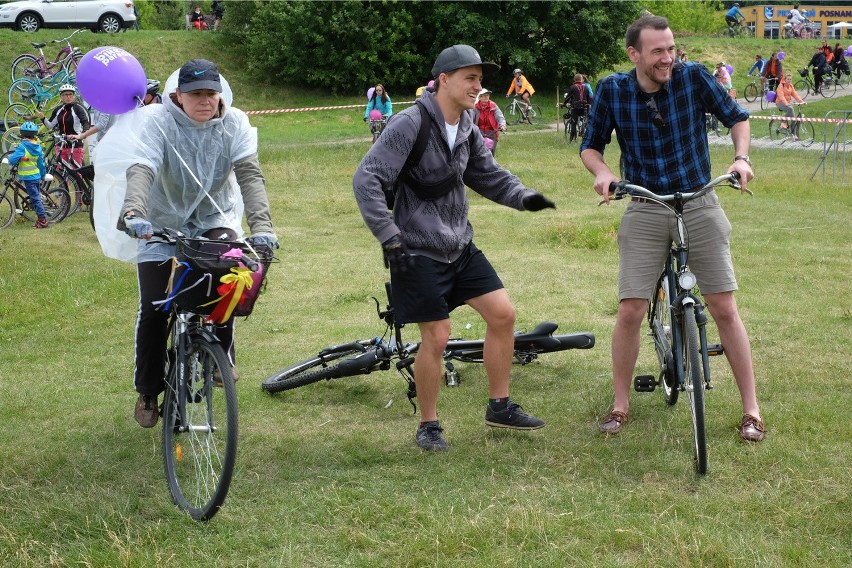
x,y
658,113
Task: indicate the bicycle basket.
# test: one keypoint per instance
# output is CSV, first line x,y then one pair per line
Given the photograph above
x,y
803,72
209,279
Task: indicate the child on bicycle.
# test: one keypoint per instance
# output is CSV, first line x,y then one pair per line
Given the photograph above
x,y
29,157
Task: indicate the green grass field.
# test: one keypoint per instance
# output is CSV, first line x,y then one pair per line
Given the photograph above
x,y
328,475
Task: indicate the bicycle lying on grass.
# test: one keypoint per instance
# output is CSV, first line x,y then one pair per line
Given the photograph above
x,y
363,356
676,317
200,404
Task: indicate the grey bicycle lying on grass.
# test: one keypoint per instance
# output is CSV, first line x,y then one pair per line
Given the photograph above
x,y
200,403
362,357
676,317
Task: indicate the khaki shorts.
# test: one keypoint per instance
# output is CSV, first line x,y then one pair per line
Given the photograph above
x,y
645,236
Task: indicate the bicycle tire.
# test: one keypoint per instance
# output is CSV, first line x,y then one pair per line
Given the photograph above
x,y
27,66
661,331
566,123
10,139
807,134
582,126
16,115
24,91
7,212
776,132
199,457
510,114
75,191
693,374
828,90
54,198
803,88
750,92
724,31
534,115
331,363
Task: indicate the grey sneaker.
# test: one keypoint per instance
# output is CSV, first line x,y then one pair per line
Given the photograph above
x,y
513,416
429,437
146,411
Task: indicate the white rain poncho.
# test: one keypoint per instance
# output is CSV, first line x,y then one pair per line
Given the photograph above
x,y
194,185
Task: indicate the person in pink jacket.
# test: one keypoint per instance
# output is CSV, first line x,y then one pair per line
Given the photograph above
x,y
783,96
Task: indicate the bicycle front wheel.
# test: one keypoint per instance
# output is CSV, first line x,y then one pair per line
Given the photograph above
x,y
16,115
807,133
661,330
803,88
23,91
511,114
200,446
7,212
331,363
694,375
777,133
750,92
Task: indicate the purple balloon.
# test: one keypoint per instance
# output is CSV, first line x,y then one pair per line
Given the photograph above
x,y
730,69
770,96
370,92
780,56
111,79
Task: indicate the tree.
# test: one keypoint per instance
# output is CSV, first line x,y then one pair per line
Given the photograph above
x,y
347,46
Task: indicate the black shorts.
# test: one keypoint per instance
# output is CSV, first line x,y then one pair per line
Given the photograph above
x,y
430,290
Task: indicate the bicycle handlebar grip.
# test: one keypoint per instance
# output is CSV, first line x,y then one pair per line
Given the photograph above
x,y
250,263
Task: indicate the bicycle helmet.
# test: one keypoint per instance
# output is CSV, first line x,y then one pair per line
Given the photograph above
x,y
29,127
516,71
153,87
68,87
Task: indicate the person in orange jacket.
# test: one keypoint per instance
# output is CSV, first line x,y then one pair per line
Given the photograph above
x,y
783,95
521,87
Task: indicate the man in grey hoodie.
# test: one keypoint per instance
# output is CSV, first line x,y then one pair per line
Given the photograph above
x,y
427,238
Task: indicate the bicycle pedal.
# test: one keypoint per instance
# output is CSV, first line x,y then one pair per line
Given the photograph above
x,y
644,383
715,349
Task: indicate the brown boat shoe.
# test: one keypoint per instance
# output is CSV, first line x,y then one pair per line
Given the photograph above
x,y
613,422
752,428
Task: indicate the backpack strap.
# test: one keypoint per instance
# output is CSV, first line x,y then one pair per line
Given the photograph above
x,y
420,142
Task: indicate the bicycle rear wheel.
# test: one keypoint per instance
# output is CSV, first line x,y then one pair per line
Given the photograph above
x,y
777,133
331,363
7,212
750,92
694,375
661,331
27,66
534,115
16,115
828,89
803,88
23,91
200,448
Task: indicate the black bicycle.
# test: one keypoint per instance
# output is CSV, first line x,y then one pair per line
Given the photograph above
x,y
364,356
677,319
200,405
14,199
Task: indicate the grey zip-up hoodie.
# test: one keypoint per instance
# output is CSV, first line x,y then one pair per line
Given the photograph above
x,y
439,228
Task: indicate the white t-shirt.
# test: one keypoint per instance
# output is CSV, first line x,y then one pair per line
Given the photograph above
x,y
452,130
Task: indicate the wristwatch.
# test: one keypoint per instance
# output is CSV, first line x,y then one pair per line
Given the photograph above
x,y
744,159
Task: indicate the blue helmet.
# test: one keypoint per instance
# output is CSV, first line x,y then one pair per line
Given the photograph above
x,y
29,127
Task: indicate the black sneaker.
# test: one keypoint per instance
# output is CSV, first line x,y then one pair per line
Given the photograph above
x,y
513,416
429,437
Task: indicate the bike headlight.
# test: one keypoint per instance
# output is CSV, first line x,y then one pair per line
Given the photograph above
x,y
687,280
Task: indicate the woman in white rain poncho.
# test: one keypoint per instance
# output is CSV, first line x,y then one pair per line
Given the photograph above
x,y
189,164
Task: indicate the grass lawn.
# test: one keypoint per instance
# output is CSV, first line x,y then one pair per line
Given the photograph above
x,y
329,475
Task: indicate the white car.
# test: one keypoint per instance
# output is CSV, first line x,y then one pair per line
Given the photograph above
x,y
97,15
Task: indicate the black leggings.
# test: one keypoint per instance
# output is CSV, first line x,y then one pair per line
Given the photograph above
x,y
152,326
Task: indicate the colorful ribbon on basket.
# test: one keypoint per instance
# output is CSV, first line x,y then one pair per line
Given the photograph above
x,y
231,294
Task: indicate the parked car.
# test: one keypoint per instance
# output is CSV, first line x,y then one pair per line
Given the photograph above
x,y
98,15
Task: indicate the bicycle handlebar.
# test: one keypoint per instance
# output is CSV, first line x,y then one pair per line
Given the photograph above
x,y
624,188
172,236
69,37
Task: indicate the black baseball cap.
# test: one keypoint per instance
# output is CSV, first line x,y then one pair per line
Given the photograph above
x,y
198,74
459,56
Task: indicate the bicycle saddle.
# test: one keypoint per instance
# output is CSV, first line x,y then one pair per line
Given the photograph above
x,y
38,45
543,329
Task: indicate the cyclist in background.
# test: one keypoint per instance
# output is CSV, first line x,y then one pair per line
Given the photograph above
x,y
733,17
577,101
657,111
489,118
520,86
796,19
758,66
69,119
379,101
783,95
838,62
772,72
820,68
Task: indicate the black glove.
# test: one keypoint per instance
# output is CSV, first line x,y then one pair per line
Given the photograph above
x,y
537,202
396,258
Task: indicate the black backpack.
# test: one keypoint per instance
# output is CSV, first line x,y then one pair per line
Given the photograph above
x,y
426,191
